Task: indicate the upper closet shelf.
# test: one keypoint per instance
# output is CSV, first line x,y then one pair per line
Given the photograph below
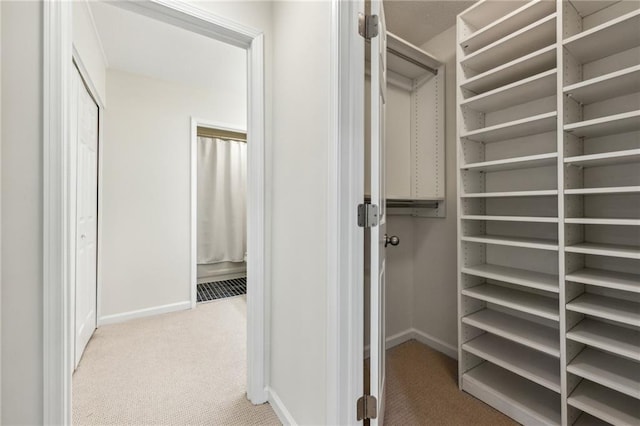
x,y
611,125
529,89
534,36
518,69
607,86
604,278
507,24
607,39
484,13
605,158
606,404
514,129
408,60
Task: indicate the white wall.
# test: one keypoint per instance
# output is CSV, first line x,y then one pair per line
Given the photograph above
x,y
87,44
21,321
434,298
146,178
299,191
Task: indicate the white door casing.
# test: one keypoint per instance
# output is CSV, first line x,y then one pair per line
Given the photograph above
x,y
58,181
86,131
378,233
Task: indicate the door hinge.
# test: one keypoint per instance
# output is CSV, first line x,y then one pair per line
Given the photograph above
x,y
367,215
367,407
368,25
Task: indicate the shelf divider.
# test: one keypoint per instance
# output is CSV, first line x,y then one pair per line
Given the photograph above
x,y
605,404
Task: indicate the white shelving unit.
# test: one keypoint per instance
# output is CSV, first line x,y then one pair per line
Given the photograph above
x,y
549,209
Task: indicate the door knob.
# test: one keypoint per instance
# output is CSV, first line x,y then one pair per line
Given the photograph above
x,y
393,240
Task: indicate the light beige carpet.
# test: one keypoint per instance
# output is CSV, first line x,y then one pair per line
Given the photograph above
x,y
183,368
422,390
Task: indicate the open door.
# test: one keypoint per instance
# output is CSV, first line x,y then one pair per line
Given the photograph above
x,y
378,47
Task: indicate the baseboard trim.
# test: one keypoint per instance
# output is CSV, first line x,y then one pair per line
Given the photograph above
x,y
435,343
424,338
141,313
279,408
393,341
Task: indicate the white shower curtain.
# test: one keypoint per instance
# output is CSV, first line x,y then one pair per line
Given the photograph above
x,y
222,200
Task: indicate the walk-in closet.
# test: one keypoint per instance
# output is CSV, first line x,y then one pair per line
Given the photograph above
x,y
548,119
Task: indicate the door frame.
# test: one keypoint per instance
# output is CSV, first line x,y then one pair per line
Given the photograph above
x,y
57,314
193,191
345,269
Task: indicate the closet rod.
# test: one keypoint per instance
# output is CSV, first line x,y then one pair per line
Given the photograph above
x,y
209,132
413,61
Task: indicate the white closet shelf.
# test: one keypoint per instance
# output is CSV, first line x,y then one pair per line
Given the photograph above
x,y
531,88
535,366
605,404
527,162
608,279
509,194
535,219
523,277
533,335
603,190
618,340
616,373
606,39
530,303
586,8
518,69
603,126
599,249
536,124
534,36
484,13
602,221
605,158
532,243
527,402
507,24
608,86
609,308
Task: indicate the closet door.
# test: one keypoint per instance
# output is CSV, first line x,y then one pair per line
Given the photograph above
x,y
86,217
378,233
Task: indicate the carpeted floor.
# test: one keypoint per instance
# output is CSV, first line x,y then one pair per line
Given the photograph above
x,y
422,390
183,368
188,368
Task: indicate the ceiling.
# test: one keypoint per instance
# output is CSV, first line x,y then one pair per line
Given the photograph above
x,y
420,21
141,45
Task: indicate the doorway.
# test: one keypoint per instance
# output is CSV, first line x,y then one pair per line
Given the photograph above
x,y
58,355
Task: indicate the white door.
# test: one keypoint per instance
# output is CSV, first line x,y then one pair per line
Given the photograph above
x,y
86,131
378,233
